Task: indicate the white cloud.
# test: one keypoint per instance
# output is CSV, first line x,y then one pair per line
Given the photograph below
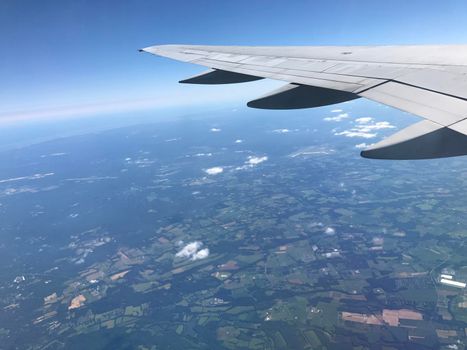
x,y
336,111
215,130
202,254
57,154
365,128
251,162
238,141
188,250
378,126
350,133
364,120
214,170
329,231
362,145
337,118
285,131
192,251
256,160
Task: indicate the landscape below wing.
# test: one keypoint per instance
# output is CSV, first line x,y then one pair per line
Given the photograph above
x,y
428,81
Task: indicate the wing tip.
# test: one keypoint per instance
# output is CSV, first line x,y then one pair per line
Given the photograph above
x,y
152,49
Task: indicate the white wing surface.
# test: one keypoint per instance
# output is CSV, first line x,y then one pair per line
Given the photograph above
x,y
428,81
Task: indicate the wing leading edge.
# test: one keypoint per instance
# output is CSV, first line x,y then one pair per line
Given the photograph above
x,y
428,81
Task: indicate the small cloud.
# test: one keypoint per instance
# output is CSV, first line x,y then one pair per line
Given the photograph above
x,y
285,131
202,254
336,111
329,231
378,126
256,160
350,133
364,120
337,118
192,251
365,128
57,154
378,240
188,250
251,162
214,170
238,141
362,145
215,130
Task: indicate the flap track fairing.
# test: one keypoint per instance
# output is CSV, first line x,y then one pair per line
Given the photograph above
x,y
423,140
218,76
296,96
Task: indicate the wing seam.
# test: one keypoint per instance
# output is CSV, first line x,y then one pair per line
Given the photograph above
x,y
421,88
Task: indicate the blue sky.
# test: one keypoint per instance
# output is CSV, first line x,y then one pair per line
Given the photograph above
x,y
80,57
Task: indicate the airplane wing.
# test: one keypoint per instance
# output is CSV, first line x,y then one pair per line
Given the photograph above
x,y
428,81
